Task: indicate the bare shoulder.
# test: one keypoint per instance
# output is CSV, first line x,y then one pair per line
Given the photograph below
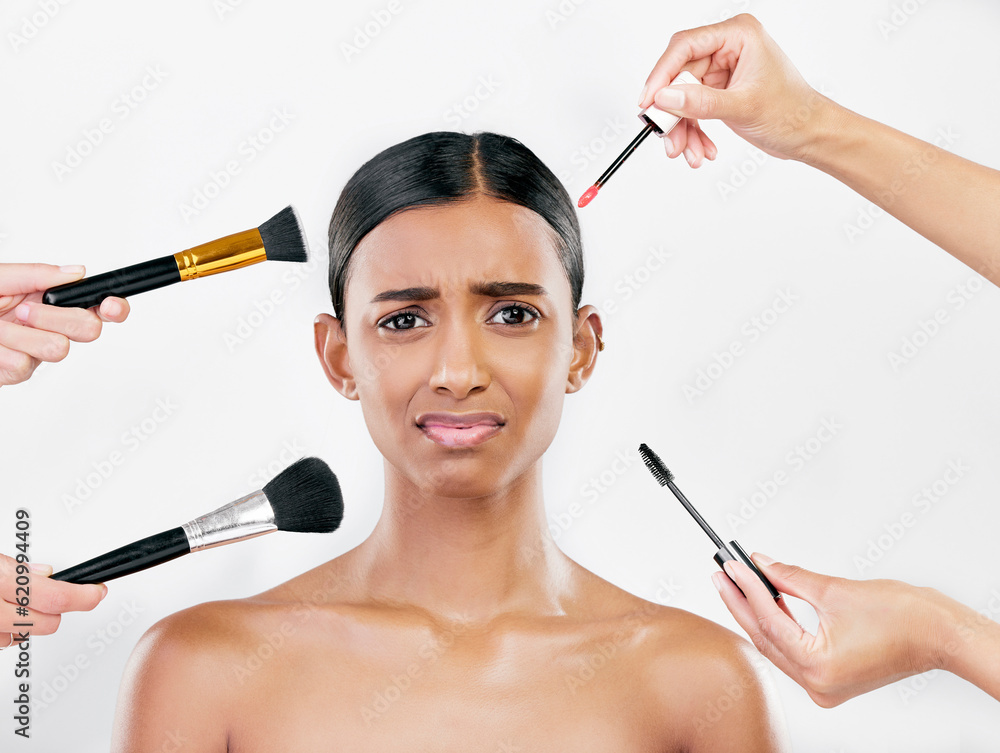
x,y
191,673
174,690
715,681
701,676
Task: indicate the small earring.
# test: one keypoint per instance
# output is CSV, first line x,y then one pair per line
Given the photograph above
x,y
600,343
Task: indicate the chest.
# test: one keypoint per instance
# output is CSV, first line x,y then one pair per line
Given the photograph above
x,y
453,693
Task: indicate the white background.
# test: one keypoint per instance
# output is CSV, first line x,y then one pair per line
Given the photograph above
x,y
245,392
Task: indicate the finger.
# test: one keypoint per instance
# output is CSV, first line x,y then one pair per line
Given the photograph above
x,y
37,343
675,142
79,325
696,101
691,49
708,146
114,310
745,617
16,279
15,366
773,622
11,621
695,152
795,581
47,595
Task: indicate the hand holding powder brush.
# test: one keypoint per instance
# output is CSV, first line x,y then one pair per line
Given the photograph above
x,y
304,498
279,239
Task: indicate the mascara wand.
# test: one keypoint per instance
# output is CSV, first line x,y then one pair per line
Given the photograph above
x,y
726,552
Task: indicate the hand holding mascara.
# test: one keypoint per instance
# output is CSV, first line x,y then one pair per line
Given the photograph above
x,y
305,498
726,552
279,239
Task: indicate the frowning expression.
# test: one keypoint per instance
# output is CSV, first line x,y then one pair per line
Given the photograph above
x,y
462,341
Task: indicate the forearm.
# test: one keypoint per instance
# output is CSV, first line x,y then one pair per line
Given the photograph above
x,y
972,647
949,200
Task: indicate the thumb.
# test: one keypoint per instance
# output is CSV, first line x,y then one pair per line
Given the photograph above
x,y
18,279
696,101
793,580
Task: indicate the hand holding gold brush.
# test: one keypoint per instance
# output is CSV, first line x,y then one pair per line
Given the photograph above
x,y
279,239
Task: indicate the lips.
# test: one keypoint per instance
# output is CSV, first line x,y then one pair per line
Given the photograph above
x,y
459,429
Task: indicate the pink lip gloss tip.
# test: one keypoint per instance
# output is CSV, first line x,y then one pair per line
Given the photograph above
x,y
588,196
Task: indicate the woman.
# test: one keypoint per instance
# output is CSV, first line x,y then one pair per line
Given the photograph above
x,y
456,273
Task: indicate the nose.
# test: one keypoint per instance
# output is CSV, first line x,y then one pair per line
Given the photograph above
x,y
460,367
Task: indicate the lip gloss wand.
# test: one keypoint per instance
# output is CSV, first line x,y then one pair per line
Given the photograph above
x,y
654,121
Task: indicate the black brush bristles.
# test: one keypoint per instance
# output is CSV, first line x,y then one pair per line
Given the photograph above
x,y
306,498
655,465
283,237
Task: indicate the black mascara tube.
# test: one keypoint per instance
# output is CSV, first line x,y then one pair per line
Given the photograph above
x,y
726,552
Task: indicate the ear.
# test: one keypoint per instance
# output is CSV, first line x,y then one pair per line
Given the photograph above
x,y
587,331
331,347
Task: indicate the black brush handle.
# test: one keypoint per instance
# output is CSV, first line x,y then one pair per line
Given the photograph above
x,y
138,278
152,550
735,552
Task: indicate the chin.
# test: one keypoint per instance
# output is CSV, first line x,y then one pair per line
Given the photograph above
x,y
466,475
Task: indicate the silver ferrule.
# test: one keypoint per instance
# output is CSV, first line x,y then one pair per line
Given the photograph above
x,y
245,518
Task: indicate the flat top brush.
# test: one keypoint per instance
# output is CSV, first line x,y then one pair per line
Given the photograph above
x,y
726,552
279,239
304,498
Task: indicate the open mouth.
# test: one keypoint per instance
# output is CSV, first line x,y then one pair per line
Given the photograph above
x,y
459,429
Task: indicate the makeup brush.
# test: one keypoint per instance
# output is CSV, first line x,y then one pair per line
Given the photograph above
x,y
655,121
731,551
279,239
304,498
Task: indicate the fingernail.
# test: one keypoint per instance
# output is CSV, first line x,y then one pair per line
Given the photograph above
x,y
717,580
104,591
37,567
642,97
669,98
689,156
72,269
111,308
762,559
22,311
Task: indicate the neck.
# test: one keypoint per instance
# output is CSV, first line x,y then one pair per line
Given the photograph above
x,y
469,559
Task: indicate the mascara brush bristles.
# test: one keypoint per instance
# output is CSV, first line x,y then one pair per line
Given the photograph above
x,y
655,465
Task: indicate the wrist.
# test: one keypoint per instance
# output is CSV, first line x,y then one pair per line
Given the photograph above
x,y
952,629
827,131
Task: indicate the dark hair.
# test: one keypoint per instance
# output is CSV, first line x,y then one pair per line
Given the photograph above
x,y
442,167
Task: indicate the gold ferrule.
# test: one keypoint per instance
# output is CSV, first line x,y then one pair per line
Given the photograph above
x,y
232,252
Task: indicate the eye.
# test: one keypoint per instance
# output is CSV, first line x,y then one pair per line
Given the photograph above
x,y
515,314
403,320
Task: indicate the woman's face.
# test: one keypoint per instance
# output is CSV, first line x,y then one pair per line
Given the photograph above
x,y
461,343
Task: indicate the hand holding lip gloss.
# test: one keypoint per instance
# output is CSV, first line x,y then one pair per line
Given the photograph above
x,y
655,121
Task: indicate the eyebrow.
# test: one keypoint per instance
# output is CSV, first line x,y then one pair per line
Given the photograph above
x,y
491,289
